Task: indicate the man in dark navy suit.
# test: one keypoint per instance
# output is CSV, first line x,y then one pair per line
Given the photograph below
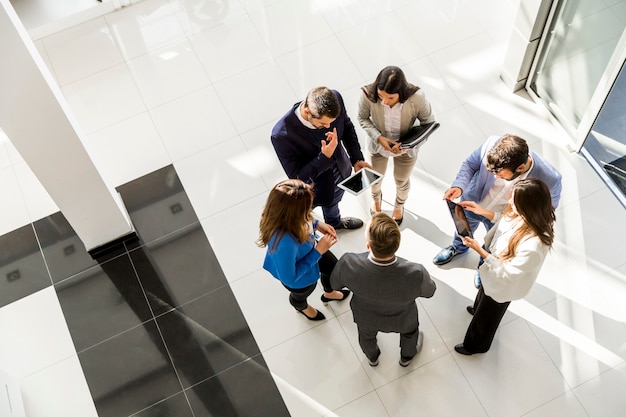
x,y
316,143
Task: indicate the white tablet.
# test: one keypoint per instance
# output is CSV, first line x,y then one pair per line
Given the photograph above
x,y
360,181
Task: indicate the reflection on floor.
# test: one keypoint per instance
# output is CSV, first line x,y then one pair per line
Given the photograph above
x,y
153,319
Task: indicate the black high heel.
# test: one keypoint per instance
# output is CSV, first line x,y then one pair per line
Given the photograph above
x,y
319,316
345,293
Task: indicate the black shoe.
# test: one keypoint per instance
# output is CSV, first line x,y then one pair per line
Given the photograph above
x,y
461,349
345,293
375,361
404,361
319,316
349,223
471,310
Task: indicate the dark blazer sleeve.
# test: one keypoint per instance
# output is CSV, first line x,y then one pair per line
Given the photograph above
x,y
349,137
299,152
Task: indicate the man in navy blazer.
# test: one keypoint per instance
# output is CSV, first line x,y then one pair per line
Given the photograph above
x,y
316,142
487,177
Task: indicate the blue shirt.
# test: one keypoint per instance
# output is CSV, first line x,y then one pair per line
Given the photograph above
x,y
291,262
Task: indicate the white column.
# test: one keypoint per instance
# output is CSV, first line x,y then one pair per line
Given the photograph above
x,y
39,123
524,43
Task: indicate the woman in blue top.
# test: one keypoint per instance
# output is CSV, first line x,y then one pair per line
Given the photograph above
x,y
294,256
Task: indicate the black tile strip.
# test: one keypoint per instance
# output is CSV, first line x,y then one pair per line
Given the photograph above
x,y
23,268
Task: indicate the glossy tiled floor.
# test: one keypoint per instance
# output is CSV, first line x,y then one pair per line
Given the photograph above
x,y
198,85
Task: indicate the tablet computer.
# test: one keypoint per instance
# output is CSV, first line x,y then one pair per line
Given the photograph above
x,y
360,181
417,135
460,220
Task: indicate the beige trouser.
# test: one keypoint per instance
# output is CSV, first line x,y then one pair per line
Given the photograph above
x,y
402,168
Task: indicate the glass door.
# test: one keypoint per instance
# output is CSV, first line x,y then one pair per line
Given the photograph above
x,y
570,75
605,145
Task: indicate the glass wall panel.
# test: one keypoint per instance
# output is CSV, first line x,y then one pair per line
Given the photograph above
x,y
582,37
605,145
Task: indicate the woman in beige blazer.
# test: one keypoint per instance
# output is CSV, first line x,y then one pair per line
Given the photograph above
x,y
388,108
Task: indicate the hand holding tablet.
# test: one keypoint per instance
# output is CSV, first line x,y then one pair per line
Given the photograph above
x,y
460,219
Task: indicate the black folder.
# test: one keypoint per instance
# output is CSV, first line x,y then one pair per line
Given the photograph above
x,y
417,135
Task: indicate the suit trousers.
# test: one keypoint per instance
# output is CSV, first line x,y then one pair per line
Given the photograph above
x,y
298,296
402,169
488,314
331,213
369,345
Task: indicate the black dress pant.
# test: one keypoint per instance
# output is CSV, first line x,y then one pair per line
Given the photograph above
x,y
298,296
488,314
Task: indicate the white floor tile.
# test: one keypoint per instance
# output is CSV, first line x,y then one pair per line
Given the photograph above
x,y
14,212
425,75
422,392
388,368
192,123
368,405
516,375
387,36
198,15
458,128
134,144
267,97
580,342
244,218
39,336
104,98
289,25
471,66
67,50
565,405
304,69
447,23
58,391
38,202
146,26
230,48
604,395
272,311
258,143
168,73
219,177
321,364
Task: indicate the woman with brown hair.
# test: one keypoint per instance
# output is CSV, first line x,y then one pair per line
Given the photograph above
x,y
294,256
516,246
388,108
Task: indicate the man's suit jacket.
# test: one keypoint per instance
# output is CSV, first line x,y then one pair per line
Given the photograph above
x,y
299,150
383,297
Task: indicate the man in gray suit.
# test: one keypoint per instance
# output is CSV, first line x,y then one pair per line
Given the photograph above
x,y
384,289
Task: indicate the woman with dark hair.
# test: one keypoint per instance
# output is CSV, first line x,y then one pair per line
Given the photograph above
x,y
516,246
388,108
294,256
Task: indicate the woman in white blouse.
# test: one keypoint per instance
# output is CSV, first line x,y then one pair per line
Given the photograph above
x,y
388,108
516,246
